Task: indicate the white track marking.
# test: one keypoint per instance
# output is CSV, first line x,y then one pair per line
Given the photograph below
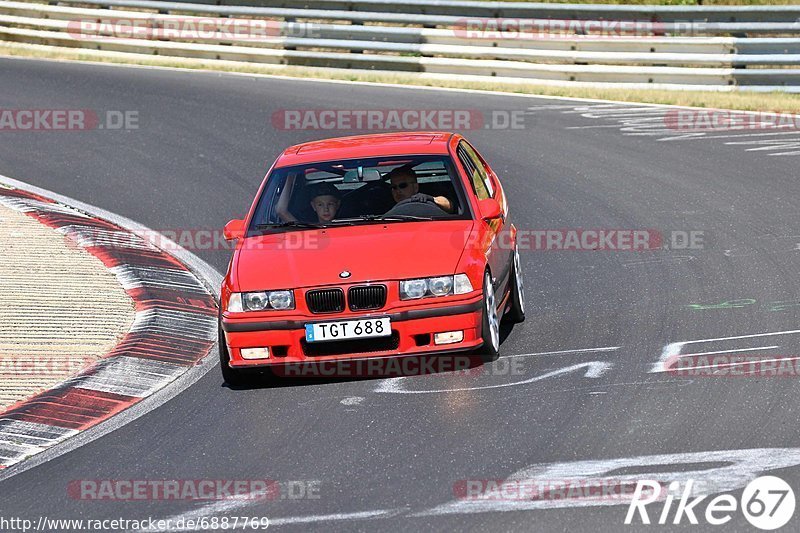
x,y
786,153
751,336
560,352
353,400
594,369
742,363
597,127
217,508
771,144
673,350
363,515
745,135
737,468
228,507
635,119
698,354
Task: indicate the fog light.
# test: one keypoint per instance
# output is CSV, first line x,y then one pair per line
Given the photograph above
x,y
255,353
448,337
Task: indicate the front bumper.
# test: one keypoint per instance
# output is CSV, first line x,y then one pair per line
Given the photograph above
x,y
412,334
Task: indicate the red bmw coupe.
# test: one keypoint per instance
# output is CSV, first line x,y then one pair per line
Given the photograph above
x,y
367,247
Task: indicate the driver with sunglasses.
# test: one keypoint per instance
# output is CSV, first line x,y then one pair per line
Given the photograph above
x,y
406,189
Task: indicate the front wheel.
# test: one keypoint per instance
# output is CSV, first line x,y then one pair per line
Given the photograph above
x,y
490,330
516,309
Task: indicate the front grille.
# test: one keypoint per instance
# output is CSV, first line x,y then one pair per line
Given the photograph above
x,y
325,300
379,344
365,297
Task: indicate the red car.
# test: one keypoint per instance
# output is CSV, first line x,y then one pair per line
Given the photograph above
x,y
372,246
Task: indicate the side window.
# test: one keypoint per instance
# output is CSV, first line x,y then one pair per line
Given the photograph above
x,y
481,183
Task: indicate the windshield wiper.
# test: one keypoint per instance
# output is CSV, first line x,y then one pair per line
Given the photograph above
x,y
382,218
290,224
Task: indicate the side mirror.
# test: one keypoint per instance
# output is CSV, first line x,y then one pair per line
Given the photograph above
x,y
489,209
233,230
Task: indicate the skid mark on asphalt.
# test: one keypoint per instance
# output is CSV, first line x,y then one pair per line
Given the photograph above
x,y
650,384
772,244
658,260
657,122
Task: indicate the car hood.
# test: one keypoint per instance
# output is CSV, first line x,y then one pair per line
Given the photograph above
x,y
370,252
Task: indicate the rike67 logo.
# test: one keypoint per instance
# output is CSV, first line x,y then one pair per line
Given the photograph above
x,y
767,503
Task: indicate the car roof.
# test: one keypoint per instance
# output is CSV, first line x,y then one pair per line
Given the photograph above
x,y
360,146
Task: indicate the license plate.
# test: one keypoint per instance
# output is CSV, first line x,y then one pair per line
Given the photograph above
x,y
349,329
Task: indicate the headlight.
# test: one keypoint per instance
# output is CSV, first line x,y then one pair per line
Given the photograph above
x,y
462,284
281,300
414,289
255,301
260,301
440,286
235,303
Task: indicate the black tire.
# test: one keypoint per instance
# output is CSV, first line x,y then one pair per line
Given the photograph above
x,y
490,323
516,305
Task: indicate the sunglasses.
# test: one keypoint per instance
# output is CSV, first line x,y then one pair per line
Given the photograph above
x,y
402,185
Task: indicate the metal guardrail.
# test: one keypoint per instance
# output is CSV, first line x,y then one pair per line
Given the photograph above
x,y
470,8
671,61
682,26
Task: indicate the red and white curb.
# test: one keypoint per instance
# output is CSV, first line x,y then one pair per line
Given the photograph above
x,y
174,329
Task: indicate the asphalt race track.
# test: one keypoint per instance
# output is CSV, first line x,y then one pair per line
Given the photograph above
x,y
389,461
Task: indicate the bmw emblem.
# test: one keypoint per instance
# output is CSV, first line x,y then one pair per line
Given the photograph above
x,y
344,274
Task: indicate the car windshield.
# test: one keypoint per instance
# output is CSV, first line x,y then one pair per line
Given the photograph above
x,y
360,191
